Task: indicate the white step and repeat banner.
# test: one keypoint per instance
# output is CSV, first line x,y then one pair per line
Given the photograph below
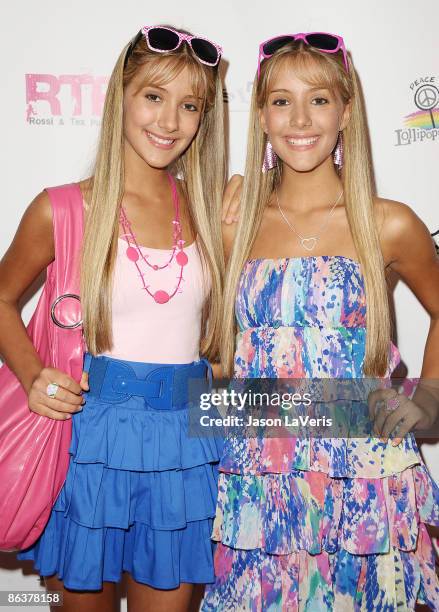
x,y
56,58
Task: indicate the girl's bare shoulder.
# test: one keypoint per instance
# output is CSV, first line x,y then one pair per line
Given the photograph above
x,y
395,218
399,229
38,215
31,251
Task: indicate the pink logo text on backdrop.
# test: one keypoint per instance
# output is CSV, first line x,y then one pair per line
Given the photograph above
x,y
74,95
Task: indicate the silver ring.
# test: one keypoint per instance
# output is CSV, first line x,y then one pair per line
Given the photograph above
x,y
55,304
51,390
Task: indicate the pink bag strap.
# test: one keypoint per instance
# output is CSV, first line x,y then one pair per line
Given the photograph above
x,y
68,223
63,276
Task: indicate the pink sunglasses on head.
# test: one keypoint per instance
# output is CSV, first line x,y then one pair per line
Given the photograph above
x,y
163,39
328,43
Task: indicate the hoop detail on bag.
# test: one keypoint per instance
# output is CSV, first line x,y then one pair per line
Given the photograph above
x,y
55,304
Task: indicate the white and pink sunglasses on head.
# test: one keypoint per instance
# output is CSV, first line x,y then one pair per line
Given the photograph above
x,y
163,39
323,41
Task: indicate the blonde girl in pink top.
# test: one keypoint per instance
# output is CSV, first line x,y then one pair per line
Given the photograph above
x,y
140,493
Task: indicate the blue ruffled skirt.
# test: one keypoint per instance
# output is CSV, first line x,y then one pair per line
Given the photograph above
x,y
139,496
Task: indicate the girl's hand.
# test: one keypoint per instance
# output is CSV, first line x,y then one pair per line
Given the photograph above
x,y
68,397
231,199
394,413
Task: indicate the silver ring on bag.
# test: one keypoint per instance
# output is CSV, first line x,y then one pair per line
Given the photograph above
x,y
55,304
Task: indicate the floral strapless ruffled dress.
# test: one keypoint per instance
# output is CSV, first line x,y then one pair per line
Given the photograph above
x,y
317,524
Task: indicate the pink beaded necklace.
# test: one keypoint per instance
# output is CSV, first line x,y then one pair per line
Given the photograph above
x,y
134,252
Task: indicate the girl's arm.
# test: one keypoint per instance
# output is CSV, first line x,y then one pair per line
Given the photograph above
x,y
409,251
31,251
412,255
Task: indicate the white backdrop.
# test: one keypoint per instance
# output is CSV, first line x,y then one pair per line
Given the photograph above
x,y
395,47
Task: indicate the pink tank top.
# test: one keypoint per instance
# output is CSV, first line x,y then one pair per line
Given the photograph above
x,y
158,333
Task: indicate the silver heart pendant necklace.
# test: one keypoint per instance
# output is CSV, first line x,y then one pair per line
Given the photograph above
x,y
309,242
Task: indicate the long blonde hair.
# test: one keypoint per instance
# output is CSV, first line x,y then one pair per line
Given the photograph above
x,y
202,167
325,70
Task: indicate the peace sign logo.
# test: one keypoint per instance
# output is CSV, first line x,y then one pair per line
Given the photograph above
x,y
427,98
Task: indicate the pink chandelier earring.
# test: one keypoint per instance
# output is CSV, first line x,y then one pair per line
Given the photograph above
x,y
270,158
338,154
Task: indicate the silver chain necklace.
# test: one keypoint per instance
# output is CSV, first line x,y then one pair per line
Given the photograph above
x,y
309,242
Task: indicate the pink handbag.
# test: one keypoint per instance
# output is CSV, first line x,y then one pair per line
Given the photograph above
x,y
34,449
